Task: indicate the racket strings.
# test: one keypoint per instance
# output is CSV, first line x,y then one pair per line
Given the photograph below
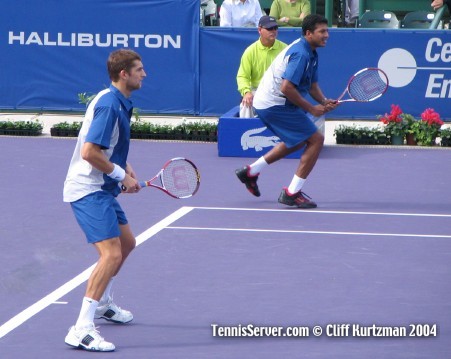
x,y
368,85
180,178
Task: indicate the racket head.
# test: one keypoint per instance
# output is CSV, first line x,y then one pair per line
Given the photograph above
x,y
367,84
180,178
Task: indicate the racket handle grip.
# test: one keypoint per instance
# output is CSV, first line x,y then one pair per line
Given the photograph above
x,y
142,184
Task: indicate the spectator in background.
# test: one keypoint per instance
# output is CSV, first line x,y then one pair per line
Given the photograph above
x,y
351,12
290,12
255,60
208,13
240,13
437,4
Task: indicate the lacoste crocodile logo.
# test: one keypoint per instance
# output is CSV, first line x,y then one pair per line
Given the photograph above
x,y
249,140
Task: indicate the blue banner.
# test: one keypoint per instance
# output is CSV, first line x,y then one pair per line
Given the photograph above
x,y
54,49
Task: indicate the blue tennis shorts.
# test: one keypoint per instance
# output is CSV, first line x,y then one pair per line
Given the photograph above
x,y
99,215
291,124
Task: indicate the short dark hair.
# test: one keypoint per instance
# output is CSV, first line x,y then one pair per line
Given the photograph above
x,y
310,21
121,60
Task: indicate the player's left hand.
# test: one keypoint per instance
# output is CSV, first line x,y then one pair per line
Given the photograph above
x,y
330,105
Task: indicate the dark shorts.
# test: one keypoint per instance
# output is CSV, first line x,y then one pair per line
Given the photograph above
x,y
99,215
291,124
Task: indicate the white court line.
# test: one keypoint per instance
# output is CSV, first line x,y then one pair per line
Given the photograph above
x,y
311,232
424,68
54,296
298,212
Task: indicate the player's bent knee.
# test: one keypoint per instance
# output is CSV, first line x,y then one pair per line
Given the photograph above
x,y
113,256
116,259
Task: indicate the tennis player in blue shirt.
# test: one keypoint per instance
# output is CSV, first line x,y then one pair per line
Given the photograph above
x,y
97,170
281,104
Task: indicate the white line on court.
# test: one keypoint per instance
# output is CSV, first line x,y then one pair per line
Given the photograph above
x,y
311,232
295,211
424,68
54,296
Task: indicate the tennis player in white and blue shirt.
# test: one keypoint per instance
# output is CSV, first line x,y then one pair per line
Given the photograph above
x,y
96,173
280,102
110,131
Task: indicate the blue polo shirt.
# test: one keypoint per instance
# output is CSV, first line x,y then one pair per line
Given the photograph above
x,y
107,124
298,64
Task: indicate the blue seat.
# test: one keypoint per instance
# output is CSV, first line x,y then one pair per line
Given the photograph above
x,y
418,20
378,19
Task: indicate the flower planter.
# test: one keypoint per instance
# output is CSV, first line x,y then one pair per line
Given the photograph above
x,y
176,136
397,140
422,132
352,135
343,139
57,132
141,135
20,128
366,140
383,140
445,137
23,132
446,142
410,140
212,137
183,132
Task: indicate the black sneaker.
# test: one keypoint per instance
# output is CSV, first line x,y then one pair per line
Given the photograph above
x,y
249,180
299,199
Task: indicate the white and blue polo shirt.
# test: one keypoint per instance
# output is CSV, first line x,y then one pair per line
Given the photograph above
x,y
107,124
298,64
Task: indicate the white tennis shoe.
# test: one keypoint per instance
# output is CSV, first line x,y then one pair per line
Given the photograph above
x,y
113,313
88,338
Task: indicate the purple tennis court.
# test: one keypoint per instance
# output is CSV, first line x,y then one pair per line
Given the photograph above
x,y
376,253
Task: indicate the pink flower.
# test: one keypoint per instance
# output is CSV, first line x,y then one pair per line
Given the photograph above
x,y
431,117
394,116
396,110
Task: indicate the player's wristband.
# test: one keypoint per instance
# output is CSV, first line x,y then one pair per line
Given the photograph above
x,y
118,173
324,101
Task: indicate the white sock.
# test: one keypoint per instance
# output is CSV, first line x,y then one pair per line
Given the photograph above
x,y
107,293
87,312
296,184
257,166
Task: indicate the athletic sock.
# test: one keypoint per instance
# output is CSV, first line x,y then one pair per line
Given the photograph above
x,y
107,293
257,166
296,184
87,312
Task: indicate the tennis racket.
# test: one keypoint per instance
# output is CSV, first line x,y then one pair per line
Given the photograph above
x,y
179,178
366,85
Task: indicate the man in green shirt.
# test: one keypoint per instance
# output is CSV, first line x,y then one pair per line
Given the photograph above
x,y
256,59
290,12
